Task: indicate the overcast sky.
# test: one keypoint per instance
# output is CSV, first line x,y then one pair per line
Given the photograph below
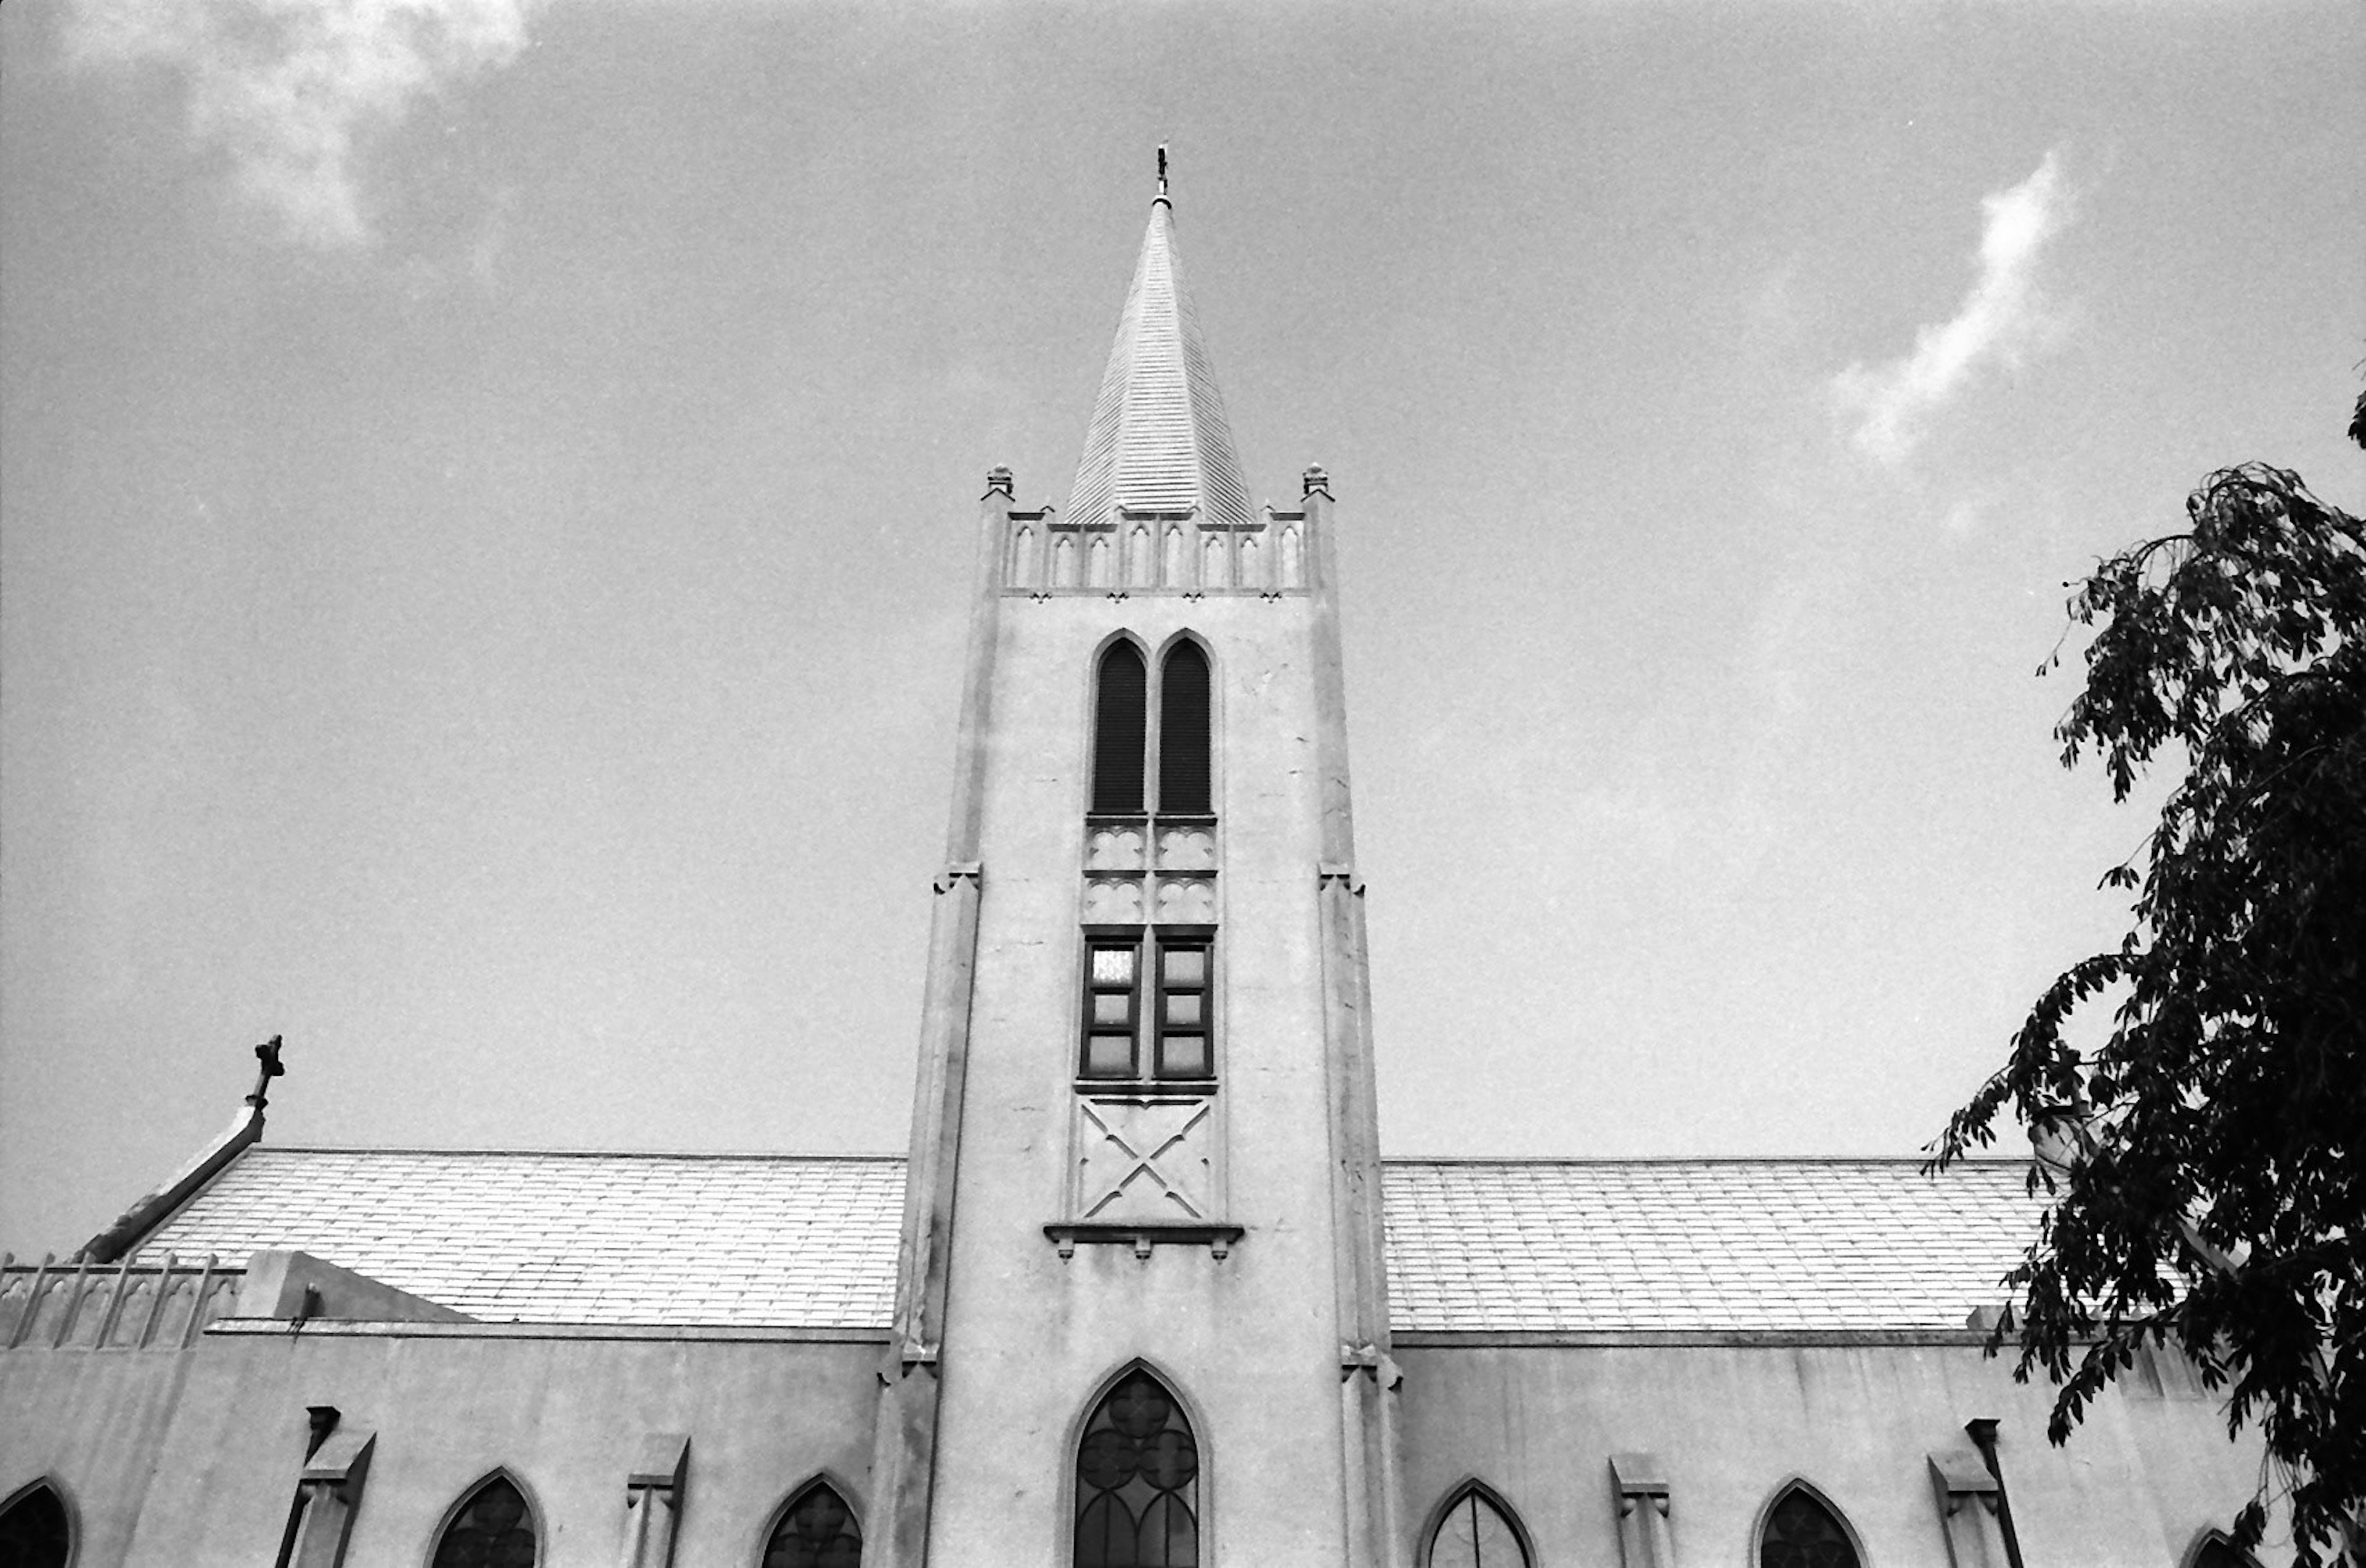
x,y
489,488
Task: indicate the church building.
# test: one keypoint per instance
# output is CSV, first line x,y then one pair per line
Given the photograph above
x,y
1144,1291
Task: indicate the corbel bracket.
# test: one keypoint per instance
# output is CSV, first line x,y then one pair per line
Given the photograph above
x,y
1369,1359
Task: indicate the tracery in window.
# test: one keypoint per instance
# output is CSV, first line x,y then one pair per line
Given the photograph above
x,y
494,1529
1802,1532
818,1530
1184,776
34,1531
1138,1481
1475,1532
1121,731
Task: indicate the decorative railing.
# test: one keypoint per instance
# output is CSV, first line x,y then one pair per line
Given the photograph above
x,y
112,1306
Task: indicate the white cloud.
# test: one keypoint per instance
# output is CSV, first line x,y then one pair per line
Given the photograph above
x,y
291,89
2002,319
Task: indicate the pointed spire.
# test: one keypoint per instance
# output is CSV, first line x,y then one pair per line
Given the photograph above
x,y
1159,438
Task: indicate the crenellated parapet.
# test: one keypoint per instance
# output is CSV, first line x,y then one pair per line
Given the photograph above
x,y
82,1305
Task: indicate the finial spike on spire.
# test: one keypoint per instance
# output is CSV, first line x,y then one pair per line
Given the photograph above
x,y
1161,170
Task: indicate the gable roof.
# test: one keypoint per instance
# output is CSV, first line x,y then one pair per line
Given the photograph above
x,y
810,1242
1769,1244
680,1239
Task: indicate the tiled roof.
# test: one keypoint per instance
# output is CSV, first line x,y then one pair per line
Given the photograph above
x,y
810,1242
681,1239
1693,1245
1159,437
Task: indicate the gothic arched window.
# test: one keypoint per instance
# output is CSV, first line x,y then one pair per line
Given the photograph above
x,y
1120,730
1184,776
1138,1481
2215,1548
494,1529
34,1531
1476,1531
1802,1531
818,1530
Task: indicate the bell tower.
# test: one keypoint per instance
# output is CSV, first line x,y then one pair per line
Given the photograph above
x,y
1141,1313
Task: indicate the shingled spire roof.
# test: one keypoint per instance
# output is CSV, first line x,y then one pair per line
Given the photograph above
x,y
1159,439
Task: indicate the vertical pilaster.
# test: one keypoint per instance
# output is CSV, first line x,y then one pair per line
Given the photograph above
x,y
904,1442
1373,1500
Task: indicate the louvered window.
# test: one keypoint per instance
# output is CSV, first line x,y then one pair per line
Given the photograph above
x,y
1184,776
1121,731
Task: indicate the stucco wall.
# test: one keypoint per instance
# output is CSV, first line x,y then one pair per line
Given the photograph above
x,y
203,1448
1250,1340
1731,1422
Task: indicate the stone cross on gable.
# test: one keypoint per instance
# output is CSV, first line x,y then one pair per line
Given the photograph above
x,y
267,1053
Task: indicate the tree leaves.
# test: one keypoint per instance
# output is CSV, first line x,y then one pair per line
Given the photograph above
x,y
2207,1164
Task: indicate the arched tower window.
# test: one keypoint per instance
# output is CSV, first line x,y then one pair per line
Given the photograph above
x,y
1120,730
494,1529
1802,1531
1138,1481
34,1531
818,1530
1475,1530
1184,787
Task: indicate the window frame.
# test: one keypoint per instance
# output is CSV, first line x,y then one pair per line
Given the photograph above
x,y
1146,1025
1201,1501
1800,1484
58,1493
1461,1491
778,1519
467,1498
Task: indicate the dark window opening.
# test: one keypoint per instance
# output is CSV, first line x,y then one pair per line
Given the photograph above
x,y
1121,731
1184,774
2217,1551
493,1529
1138,1482
34,1532
1802,1533
817,1531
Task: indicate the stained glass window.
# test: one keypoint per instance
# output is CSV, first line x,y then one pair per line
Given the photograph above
x,y
1120,730
1138,1482
493,1529
818,1530
34,1532
1473,1533
1802,1533
1184,776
